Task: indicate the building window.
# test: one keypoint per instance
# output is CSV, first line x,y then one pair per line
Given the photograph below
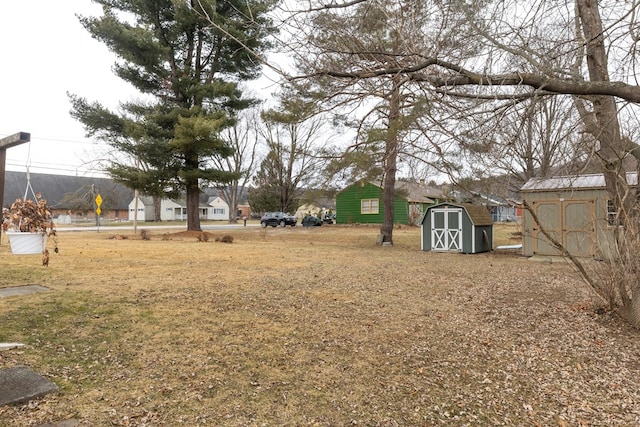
x,y
612,213
369,206
218,211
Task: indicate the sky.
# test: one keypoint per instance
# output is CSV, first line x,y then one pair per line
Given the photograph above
x,y
45,53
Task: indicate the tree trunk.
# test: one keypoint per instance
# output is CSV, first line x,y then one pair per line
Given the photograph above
x,y
631,310
390,164
157,208
607,129
193,205
232,194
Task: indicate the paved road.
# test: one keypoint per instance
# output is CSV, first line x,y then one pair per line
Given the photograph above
x,y
174,227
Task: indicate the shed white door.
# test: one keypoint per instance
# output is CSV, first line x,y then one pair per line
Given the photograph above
x,y
446,229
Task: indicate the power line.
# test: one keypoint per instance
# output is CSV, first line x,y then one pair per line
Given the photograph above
x,y
67,169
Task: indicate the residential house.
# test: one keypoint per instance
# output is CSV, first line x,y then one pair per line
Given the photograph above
x,y
176,209
218,210
501,209
144,208
244,211
170,210
71,198
362,202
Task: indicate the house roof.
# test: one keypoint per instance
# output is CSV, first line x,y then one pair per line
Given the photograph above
x,y
584,182
54,188
489,199
146,200
418,192
182,202
479,215
413,191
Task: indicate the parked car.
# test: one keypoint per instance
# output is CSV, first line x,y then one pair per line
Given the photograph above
x,y
311,221
278,218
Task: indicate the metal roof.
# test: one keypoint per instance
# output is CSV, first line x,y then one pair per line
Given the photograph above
x,y
589,181
54,188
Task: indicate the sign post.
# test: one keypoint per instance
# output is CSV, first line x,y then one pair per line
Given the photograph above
x,y
98,210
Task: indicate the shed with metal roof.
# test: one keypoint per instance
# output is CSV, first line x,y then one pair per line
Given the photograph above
x,y
452,227
574,210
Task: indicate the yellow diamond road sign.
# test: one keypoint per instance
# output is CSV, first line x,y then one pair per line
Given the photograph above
x,y
98,200
98,211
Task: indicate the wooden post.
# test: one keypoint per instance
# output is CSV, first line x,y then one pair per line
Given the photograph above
x,y
8,142
5,143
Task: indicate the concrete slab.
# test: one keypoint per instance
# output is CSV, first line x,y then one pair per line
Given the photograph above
x,y
548,259
10,345
22,290
20,384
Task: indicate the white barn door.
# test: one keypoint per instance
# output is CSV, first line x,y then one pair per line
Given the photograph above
x,y
446,230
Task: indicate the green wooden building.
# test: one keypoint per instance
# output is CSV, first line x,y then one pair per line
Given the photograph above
x,y
361,203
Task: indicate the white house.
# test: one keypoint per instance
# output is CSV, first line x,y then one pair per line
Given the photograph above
x,y
145,209
219,210
169,210
176,210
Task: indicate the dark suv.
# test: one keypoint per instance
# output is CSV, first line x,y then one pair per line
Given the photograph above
x,y
278,218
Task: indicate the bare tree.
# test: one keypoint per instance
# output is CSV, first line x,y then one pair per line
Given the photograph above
x,y
494,53
295,135
515,50
370,36
243,137
538,136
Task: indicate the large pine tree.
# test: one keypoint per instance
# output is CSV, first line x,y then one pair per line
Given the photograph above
x,y
187,58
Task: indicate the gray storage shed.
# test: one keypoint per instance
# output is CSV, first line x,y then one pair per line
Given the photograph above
x,y
451,227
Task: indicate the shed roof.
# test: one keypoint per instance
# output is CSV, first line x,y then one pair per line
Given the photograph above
x,y
479,215
571,182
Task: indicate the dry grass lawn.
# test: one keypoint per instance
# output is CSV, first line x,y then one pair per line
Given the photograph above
x,y
317,327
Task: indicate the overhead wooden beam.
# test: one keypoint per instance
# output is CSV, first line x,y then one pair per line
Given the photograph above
x,y
15,139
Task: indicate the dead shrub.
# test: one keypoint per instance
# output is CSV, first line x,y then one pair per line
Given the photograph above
x,y
145,235
225,239
617,273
